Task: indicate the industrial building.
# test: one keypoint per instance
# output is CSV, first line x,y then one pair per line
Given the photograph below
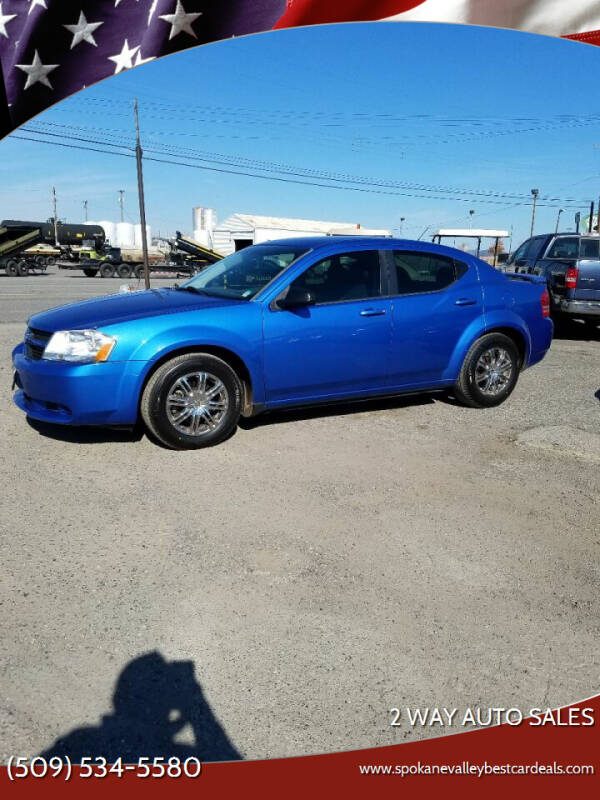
x,y
241,230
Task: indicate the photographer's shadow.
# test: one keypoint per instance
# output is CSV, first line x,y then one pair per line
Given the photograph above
x,y
159,710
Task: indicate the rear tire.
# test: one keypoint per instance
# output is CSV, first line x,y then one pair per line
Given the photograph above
x,y
50,261
139,272
489,372
11,269
192,401
22,269
124,271
107,271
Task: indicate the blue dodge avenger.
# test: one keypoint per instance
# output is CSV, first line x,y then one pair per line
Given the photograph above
x,y
286,323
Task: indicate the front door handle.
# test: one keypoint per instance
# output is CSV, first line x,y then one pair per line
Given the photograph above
x,y
372,312
465,301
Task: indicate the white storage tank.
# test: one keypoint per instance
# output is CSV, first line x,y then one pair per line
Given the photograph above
x,y
137,235
125,234
204,219
110,229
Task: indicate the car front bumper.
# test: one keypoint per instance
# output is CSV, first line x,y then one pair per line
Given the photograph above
x,y
77,394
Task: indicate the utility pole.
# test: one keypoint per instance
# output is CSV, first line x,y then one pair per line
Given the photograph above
x,y
598,218
140,176
402,221
535,193
591,225
471,213
55,217
122,204
85,210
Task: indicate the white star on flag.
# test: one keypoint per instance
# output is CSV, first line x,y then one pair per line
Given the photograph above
x,y
180,21
124,60
83,31
34,3
4,19
139,60
37,72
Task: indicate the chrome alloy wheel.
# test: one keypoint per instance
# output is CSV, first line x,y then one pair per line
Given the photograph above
x,y
493,371
196,403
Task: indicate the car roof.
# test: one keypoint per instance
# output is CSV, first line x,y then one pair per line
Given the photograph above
x,y
376,242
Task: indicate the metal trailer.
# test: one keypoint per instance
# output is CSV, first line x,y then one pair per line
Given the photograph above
x,y
472,233
18,236
185,257
13,244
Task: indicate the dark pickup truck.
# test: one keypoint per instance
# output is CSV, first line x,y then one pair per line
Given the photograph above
x,y
570,263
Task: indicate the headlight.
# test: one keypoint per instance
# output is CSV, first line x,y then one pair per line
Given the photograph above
x,y
82,347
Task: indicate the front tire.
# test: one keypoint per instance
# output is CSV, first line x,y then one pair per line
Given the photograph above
x,y
489,372
89,272
192,401
107,271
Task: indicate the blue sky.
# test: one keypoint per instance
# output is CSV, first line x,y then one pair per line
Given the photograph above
x,y
464,110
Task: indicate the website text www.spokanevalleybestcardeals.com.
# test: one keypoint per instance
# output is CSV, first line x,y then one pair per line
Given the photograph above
x,y
466,768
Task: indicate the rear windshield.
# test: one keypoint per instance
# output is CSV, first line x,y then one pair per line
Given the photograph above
x,y
564,247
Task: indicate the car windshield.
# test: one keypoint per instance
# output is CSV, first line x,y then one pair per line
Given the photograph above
x,y
243,274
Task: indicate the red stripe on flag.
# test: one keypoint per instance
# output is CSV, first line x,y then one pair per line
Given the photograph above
x,y
591,37
315,12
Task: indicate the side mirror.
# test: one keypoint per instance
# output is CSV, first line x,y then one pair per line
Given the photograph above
x,y
296,298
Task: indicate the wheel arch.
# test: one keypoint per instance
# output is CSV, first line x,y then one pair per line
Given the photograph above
x,y
517,337
225,354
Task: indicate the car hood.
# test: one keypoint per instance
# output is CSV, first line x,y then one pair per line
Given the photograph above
x,y
102,311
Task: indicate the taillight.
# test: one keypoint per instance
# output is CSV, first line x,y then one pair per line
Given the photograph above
x,y
571,277
545,301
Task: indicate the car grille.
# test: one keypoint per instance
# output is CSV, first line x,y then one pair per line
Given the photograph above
x,y
35,342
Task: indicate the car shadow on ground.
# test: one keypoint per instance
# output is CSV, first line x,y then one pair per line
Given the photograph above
x,y
91,435
159,711
86,435
576,331
341,409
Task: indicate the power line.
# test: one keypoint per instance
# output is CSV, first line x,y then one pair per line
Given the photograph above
x,y
270,177
303,172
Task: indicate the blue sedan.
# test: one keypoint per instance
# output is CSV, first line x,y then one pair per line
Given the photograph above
x,y
292,322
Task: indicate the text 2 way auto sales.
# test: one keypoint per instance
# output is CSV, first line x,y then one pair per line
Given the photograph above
x,y
484,717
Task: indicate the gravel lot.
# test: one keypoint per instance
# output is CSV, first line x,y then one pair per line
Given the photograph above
x,y
318,568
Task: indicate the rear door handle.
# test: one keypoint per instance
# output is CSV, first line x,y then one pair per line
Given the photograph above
x,y
372,312
465,301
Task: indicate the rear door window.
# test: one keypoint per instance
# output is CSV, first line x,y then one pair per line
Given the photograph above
x,y
564,247
590,248
424,272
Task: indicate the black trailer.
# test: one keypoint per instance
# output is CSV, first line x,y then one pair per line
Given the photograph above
x,y
13,243
18,236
